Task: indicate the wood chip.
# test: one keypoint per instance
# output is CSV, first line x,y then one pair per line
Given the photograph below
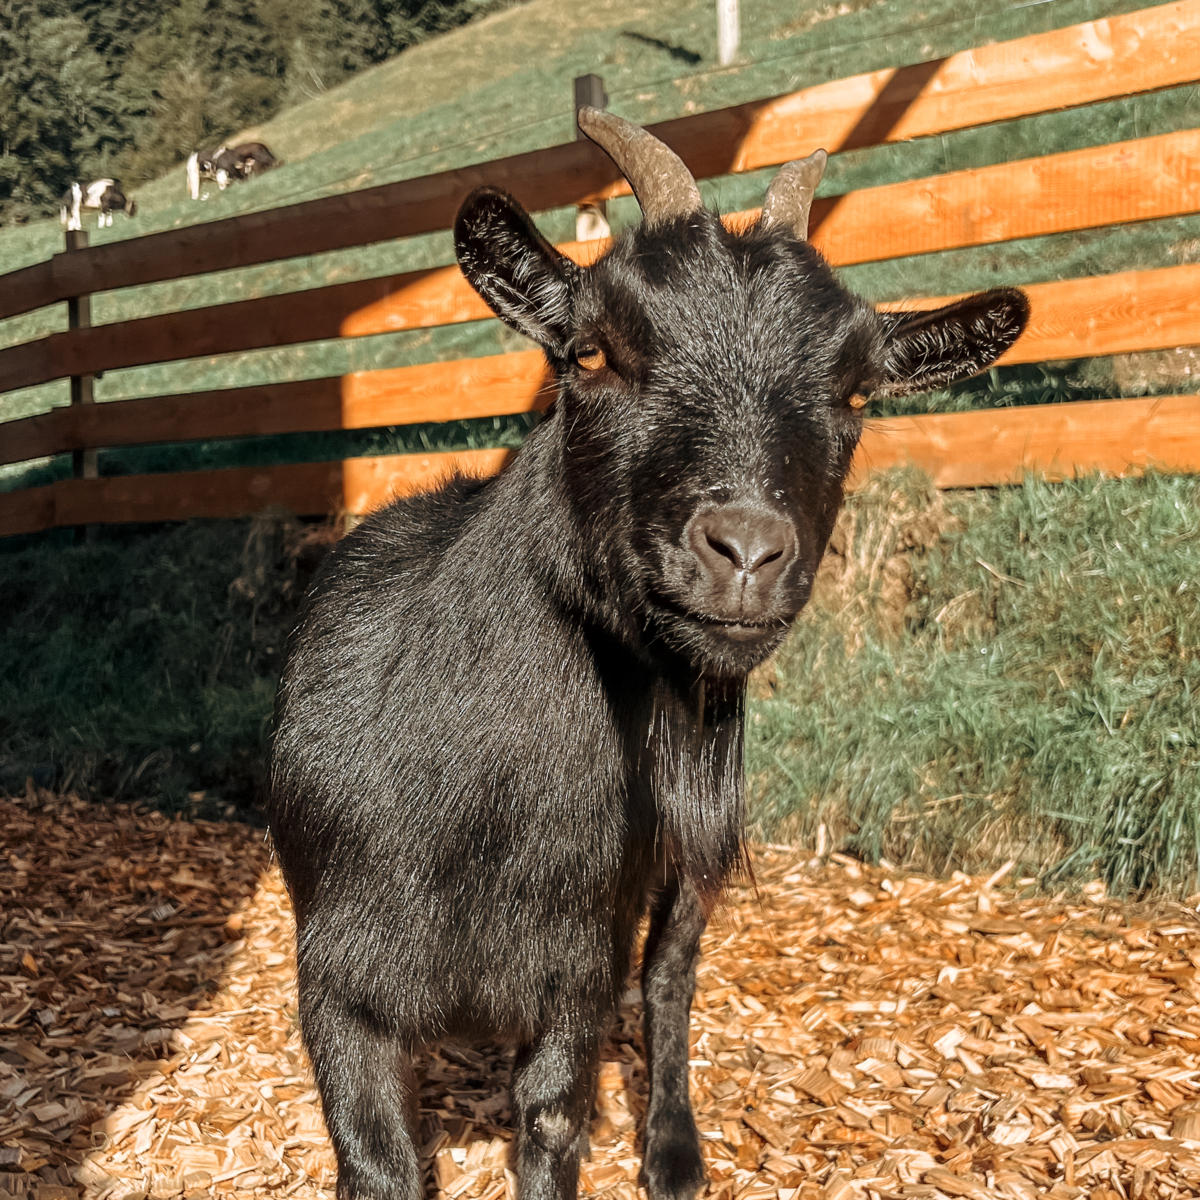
x,y
766,1129
1050,1079
856,1033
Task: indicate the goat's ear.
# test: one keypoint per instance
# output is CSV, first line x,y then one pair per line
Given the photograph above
x,y
925,350
525,281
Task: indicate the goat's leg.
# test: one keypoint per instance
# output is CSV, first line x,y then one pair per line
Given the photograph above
x,y
672,1168
552,1091
366,1083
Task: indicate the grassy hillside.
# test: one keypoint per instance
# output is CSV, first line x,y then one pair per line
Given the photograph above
x,y
503,85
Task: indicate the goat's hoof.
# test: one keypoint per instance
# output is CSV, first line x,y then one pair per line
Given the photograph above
x,y
672,1168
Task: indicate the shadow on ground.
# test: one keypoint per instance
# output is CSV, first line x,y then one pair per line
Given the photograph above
x,y
117,924
148,1034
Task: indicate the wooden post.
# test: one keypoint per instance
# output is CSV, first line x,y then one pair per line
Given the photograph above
x,y
728,34
589,93
591,220
79,316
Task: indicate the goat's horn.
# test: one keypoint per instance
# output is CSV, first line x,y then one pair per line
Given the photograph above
x,y
790,195
664,187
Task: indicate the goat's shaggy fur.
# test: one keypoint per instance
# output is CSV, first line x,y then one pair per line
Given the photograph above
x,y
512,715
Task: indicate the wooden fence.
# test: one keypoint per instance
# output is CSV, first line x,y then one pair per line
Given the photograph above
x,y
1131,181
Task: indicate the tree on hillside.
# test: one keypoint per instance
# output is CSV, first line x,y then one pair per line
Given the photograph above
x,y
189,80
54,113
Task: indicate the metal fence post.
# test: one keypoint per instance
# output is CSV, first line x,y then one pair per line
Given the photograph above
x,y
591,220
79,316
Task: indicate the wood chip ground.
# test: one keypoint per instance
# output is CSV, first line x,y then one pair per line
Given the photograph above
x,y
857,1033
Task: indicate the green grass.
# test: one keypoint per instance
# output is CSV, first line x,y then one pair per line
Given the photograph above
x,y
945,714
1040,707
144,665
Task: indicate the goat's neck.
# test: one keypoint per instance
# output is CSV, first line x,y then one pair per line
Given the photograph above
x,y
683,732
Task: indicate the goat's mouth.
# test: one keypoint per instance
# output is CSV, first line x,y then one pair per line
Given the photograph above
x,y
739,627
740,624
729,644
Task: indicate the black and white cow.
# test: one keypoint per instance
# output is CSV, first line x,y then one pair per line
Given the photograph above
x,y
104,195
253,158
228,164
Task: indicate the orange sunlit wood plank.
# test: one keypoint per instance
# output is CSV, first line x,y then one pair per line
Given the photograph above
x,y
1129,181
1122,55
257,324
1071,318
368,483
235,492
306,406
1055,441
977,449
184,495
1102,314
443,297
1074,318
491,386
1082,64
1083,189
1111,314
415,299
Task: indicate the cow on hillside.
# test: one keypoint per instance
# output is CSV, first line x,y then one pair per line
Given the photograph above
x,y
228,164
104,195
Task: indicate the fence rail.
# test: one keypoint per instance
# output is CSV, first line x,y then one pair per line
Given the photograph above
x,y
1077,318
355,485
1131,181
974,449
1086,189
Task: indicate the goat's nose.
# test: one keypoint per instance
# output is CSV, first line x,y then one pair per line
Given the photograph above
x,y
734,540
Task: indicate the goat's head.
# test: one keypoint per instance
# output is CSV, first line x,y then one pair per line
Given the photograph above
x,y
710,395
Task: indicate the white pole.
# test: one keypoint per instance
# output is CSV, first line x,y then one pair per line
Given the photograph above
x,y
727,31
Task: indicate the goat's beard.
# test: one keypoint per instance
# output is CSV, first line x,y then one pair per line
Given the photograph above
x,y
696,739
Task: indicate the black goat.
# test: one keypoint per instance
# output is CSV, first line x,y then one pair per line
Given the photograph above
x,y
511,718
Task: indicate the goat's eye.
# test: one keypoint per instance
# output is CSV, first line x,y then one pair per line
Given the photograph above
x,y
590,358
857,400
